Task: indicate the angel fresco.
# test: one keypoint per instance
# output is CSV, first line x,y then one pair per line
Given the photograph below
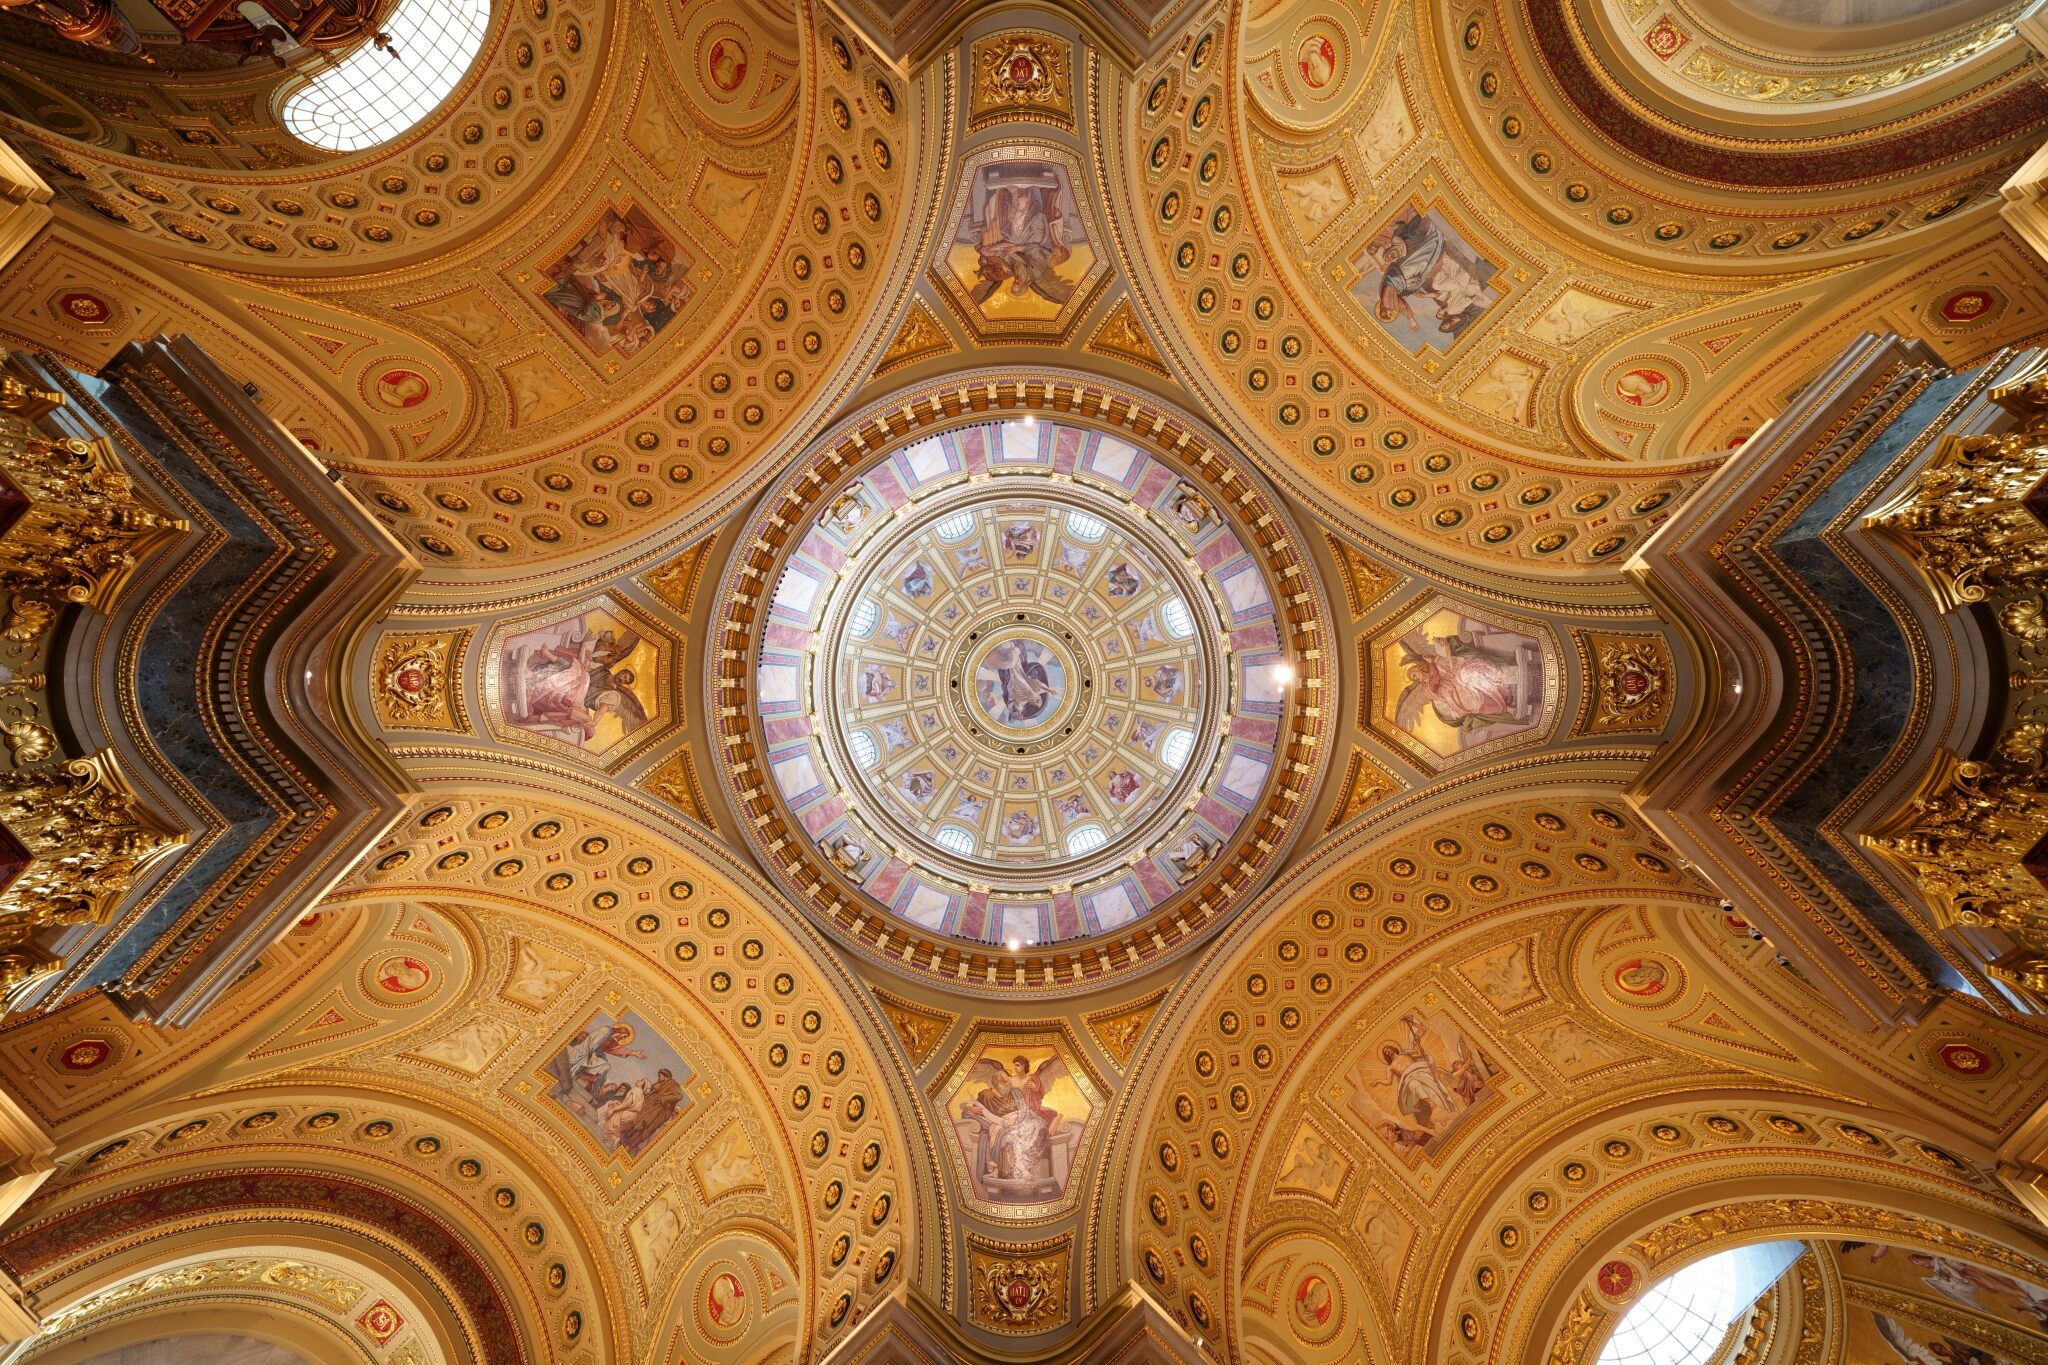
x,y
582,681
1015,1130
1978,1288
1454,682
1917,1347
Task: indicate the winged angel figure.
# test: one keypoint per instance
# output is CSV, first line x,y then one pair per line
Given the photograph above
x,y
1470,686
1016,1126
1947,1351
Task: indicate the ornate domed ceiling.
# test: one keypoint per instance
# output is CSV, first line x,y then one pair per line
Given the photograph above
x,y
1040,683
1020,683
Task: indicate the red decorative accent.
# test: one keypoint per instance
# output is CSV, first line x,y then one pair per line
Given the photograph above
x,y
1965,1059
1967,306
1665,38
87,1054
381,1322
1022,69
1616,1278
83,307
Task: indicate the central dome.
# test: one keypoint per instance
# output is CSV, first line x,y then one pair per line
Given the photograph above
x,y
1014,695
1021,685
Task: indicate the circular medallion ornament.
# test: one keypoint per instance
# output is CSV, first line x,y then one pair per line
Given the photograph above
x,y
1315,1306
1616,1279
402,388
402,976
1643,387
1316,60
725,66
1644,980
725,1300
1020,681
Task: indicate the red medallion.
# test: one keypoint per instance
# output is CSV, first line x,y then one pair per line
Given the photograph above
x,y
1965,1059
83,307
86,1054
1966,305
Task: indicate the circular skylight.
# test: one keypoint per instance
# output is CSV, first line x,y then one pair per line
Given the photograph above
x,y
374,94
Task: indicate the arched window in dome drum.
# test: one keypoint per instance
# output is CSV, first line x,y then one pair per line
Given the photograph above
x,y
864,751
1174,749
954,839
1085,839
865,614
1685,1316
1081,526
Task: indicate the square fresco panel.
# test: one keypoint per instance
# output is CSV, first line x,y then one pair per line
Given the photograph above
x,y
1423,282
586,680
1415,1084
621,1080
1454,682
1021,248
621,284
1018,1118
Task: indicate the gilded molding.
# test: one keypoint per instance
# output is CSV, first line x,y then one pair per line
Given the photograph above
x,y
418,681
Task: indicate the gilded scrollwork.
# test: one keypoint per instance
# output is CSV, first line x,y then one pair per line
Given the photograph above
x,y
416,682
1021,1289
87,840
85,527
1023,75
1966,832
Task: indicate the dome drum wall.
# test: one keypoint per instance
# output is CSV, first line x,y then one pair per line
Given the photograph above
x,y
1020,699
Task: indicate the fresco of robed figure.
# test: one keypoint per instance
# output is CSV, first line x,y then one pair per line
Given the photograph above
x,y
621,284
1019,1118
621,1080
1454,682
1417,1081
1021,249
586,680
1423,282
